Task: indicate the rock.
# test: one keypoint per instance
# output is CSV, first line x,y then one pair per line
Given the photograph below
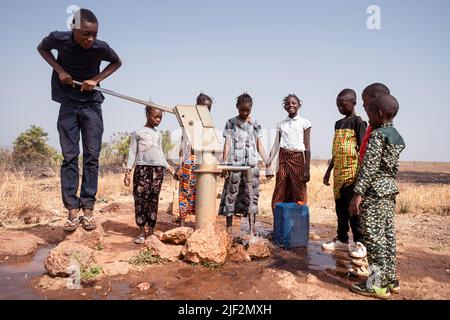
x,y
113,207
178,235
49,283
92,239
314,236
64,260
35,216
143,286
159,234
312,279
259,249
166,252
116,268
207,245
14,243
237,253
98,287
84,294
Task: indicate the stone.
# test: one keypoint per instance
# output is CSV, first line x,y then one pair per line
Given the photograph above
x,y
92,239
159,234
207,245
166,252
17,243
48,283
237,253
113,207
312,279
178,235
115,268
259,248
143,286
67,258
314,236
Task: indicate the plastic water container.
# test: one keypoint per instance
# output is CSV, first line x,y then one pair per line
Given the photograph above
x,y
291,225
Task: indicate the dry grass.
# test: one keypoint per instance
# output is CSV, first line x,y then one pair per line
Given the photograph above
x,y
111,185
432,198
18,193
424,199
413,198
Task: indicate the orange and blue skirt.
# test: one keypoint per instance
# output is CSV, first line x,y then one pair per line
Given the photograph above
x,y
188,180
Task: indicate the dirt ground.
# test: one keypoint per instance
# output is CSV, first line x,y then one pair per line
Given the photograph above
x,y
303,273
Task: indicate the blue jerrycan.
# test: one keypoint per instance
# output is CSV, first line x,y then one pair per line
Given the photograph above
x,y
291,225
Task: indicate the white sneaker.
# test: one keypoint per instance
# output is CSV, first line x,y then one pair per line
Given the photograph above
x,y
359,251
335,244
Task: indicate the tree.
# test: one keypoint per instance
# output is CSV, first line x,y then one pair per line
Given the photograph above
x,y
166,142
31,149
120,143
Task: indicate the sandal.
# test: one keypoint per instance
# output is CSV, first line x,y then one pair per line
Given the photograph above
x,y
140,239
88,223
71,225
362,272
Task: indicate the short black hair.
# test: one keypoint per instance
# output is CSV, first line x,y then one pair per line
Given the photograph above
x,y
347,92
376,89
244,98
291,95
84,15
202,98
150,109
387,104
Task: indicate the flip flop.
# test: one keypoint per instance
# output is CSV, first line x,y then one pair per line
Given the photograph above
x,y
71,225
88,223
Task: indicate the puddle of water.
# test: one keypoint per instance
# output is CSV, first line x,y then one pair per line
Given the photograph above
x,y
261,231
15,278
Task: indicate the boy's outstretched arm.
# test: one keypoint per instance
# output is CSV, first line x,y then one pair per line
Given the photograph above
x,y
48,56
307,137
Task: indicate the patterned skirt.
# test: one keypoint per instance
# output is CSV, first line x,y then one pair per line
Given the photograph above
x,y
290,185
188,180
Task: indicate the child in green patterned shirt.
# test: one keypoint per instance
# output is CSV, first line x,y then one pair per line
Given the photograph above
x,y
374,199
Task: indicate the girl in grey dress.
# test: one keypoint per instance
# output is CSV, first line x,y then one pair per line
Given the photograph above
x,y
243,144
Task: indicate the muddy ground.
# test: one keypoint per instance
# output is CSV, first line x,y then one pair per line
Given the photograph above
x,y
303,273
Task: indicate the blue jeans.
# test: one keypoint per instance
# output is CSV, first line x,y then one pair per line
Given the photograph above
x,y
72,121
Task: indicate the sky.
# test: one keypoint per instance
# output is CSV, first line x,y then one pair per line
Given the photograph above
x,y
173,50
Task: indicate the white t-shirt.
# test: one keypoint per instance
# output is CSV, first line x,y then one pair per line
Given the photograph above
x,y
292,133
146,149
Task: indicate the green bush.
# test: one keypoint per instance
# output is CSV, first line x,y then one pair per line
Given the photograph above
x,y
31,149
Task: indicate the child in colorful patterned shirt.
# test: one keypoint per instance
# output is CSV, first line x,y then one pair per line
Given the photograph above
x,y
348,135
186,171
374,199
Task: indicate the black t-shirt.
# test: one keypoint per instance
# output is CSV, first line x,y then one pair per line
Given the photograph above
x,y
82,64
355,123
